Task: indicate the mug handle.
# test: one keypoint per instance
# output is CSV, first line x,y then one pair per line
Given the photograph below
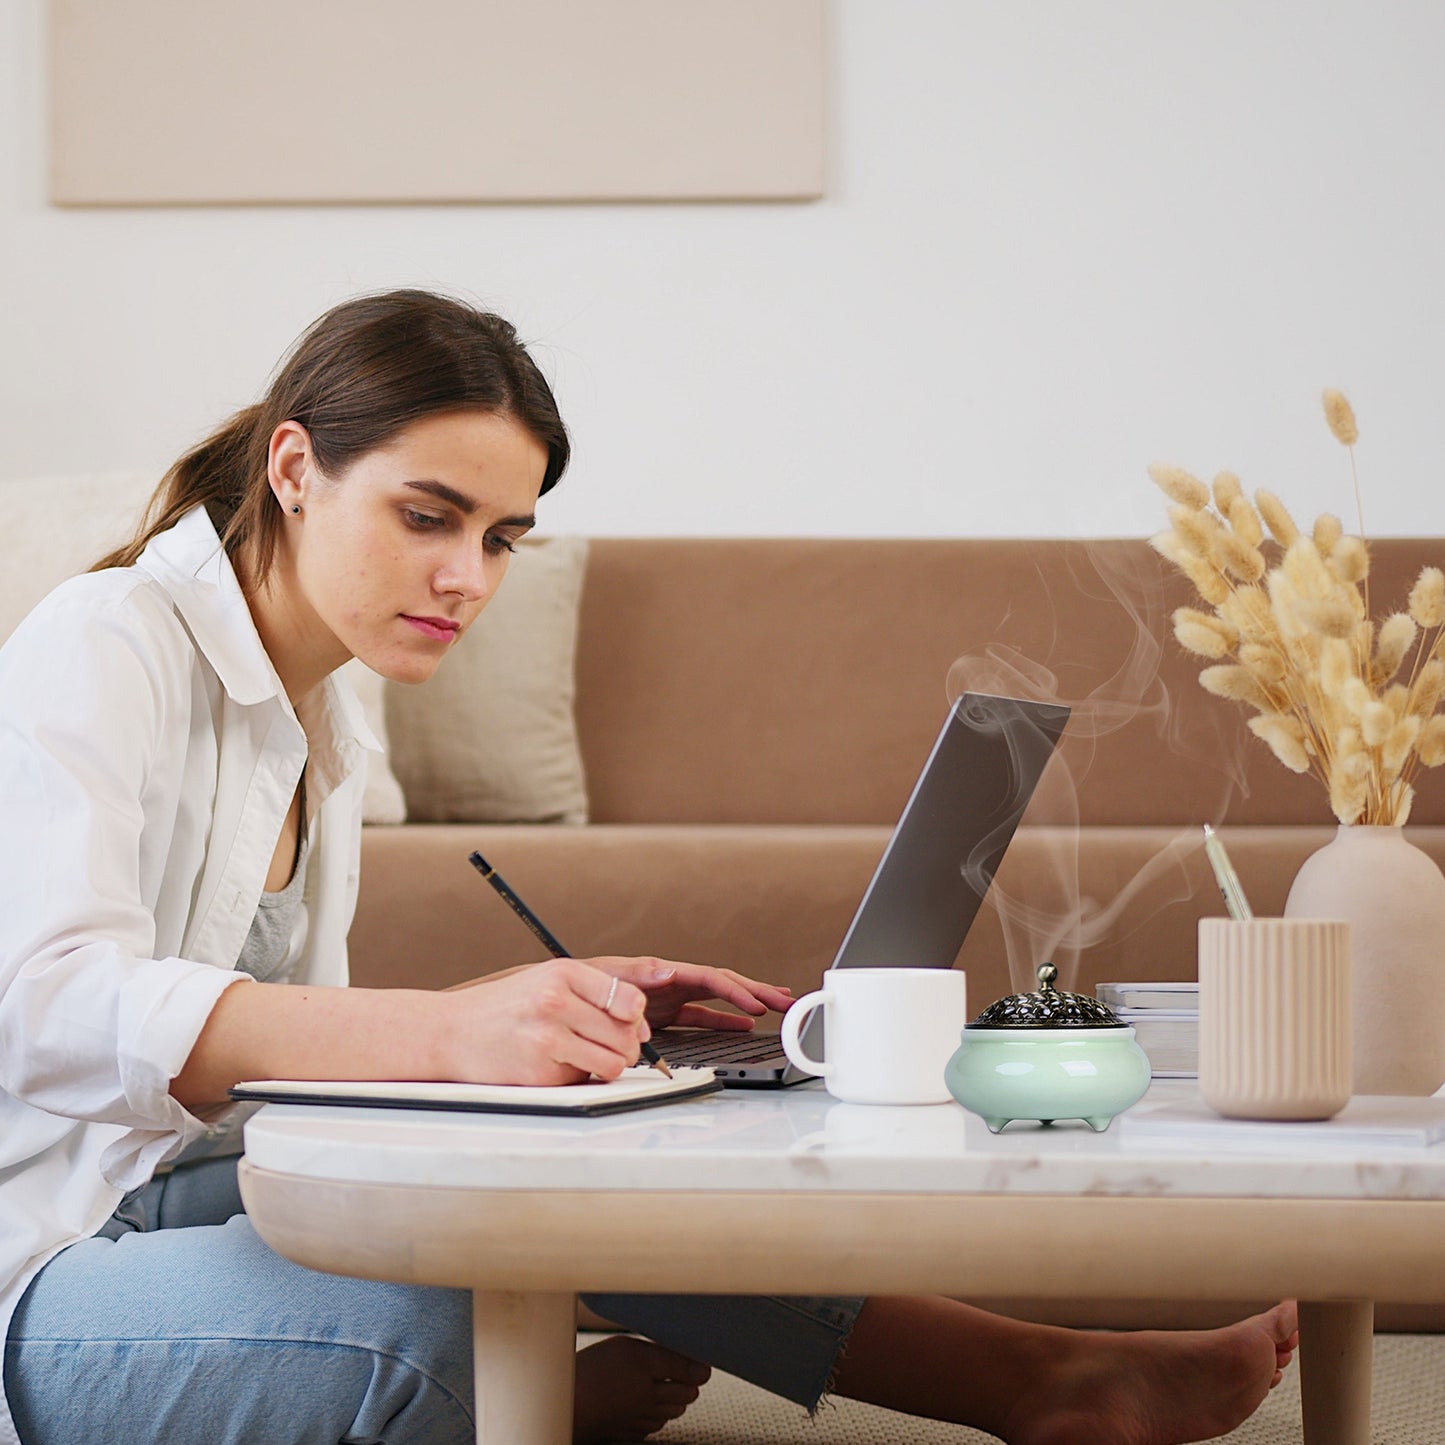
x,y
792,1026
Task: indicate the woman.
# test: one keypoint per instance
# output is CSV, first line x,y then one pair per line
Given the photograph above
x,y
183,775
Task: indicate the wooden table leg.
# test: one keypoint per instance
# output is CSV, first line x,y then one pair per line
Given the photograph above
x,y
1336,1359
524,1349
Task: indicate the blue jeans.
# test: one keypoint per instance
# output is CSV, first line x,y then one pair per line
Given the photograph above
x,y
177,1323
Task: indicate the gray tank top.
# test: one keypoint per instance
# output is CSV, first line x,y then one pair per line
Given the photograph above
x,y
269,940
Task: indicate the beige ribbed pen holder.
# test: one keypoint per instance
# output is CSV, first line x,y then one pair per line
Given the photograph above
x,y
1274,1017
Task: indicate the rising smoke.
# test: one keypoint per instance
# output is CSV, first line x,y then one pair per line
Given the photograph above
x,y
1055,921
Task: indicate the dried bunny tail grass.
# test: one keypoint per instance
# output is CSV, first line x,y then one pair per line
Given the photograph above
x,y
1376,721
1398,630
1236,557
1348,797
1226,488
1354,697
1350,560
1328,530
1203,641
1332,617
1264,661
1204,633
1341,418
1430,745
1276,518
1238,684
1349,777
1337,667
1427,597
1285,736
1207,579
1429,688
1247,609
1198,530
1244,519
1396,751
1396,638
1179,486
1396,697
1404,801
1170,546
1284,605
1307,572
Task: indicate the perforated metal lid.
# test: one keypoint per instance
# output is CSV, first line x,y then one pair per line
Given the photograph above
x,y
1047,1008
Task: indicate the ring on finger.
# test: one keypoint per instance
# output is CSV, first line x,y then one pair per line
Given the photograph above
x,y
611,994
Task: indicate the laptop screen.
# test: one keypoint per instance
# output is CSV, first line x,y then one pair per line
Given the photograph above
x,y
951,837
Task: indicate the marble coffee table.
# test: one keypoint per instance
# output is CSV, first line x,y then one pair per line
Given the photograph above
x,y
791,1192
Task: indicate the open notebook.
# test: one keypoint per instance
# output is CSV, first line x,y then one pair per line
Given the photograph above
x,y
640,1087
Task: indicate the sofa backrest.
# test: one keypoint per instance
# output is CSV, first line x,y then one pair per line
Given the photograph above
x,y
775,681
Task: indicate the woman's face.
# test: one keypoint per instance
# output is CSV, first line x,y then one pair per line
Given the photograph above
x,y
392,560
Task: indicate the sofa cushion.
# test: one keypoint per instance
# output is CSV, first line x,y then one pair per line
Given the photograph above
x,y
769,901
56,527
802,680
491,736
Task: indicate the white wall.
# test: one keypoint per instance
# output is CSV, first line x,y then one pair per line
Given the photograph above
x,y
1061,240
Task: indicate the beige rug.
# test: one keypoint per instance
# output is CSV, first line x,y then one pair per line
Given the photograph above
x,y
1408,1409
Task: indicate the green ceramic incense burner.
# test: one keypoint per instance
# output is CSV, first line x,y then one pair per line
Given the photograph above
x,y
1047,1055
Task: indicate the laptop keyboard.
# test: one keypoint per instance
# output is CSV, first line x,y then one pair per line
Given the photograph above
x,y
718,1048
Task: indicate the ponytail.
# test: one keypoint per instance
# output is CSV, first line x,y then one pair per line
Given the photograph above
x,y
214,474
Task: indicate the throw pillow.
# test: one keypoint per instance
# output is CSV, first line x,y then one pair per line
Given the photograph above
x,y
491,737
56,527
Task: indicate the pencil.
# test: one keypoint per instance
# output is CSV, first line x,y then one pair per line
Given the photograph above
x,y
547,939
1227,878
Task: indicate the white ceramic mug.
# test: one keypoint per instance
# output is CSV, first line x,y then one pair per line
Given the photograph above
x,y
888,1033
1274,1017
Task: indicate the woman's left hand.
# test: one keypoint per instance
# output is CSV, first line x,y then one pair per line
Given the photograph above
x,y
674,990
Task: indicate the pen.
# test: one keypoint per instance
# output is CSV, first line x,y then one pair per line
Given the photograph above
x,y
548,940
1229,884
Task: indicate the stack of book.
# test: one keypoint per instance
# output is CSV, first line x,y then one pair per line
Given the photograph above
x,y
1165,1019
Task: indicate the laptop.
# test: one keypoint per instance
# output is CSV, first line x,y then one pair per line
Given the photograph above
x,y
931,879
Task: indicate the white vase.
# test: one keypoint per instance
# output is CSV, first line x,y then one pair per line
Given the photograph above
x,y
1393,897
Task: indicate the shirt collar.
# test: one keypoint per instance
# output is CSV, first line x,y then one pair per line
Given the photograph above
x,y
190,563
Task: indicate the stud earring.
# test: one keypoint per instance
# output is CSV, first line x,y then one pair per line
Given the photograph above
x,y
297,510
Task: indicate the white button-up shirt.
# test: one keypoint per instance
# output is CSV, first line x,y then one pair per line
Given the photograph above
x,y
148,756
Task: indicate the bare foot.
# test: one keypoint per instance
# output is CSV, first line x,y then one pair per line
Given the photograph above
x,y
1156,1387
627,1388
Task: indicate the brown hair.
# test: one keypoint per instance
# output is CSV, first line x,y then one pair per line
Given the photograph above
x,y
358,375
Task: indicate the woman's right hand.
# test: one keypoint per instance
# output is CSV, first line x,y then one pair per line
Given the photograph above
x,y
557,1022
